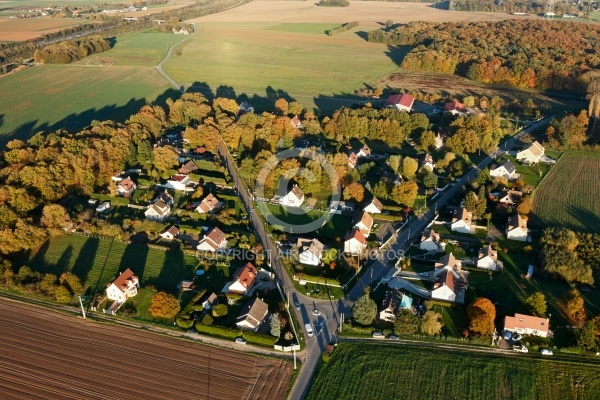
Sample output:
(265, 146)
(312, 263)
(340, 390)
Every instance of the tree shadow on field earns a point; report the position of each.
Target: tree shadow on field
(397, 53)
(85, 260)
(134, 257)
(586, 218)
(77, 121)
(327, 104)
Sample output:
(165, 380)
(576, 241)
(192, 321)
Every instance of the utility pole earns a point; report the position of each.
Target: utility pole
(82, 310)
(294, 350)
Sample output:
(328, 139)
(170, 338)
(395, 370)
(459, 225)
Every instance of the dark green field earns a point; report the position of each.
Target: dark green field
(390, 371)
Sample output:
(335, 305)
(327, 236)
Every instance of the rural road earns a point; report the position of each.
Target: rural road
(326, 324)
(177, 86)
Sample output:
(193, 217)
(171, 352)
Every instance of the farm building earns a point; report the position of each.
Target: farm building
(401, 102)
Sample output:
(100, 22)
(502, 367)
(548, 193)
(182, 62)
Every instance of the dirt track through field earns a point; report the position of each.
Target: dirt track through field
(369, 13)
(52, 356)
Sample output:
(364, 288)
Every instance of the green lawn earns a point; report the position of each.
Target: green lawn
(336, 227)
(531, 175)
(96, 262)
(380, 371)
(568, 196)
(266, 61)
(51, 97)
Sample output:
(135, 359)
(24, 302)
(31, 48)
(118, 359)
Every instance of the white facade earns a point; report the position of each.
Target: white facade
(158, 211)
(294, 198)
(486, 262)
(354, 246)
(460, 226)
(309, 258)
(531, 154)
(443, 293)
(124, 287)
(178, 182)
(501, 172)
(517, 233)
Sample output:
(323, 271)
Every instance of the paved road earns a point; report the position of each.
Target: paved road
(326, 324)
(160, 64)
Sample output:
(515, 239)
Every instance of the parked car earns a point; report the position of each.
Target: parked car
(393, 337)
(297, 305)
(425, 274)
(240, 340)
(521, 348)
(378, 335)
(547, 352)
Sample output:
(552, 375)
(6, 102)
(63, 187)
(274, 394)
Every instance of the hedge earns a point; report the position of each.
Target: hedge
(184, 323)
(342, 28)
(219, 331)
(259, 338)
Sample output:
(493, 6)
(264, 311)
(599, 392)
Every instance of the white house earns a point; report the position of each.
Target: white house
(450, 281)
(505, 170)
(428, 162)
(462, 220)
(363, 151)
(252, 314)
(126, 187)
(374, 207)
(293, 198)
(401, 102)
(510, 197)
(532, 153)
(209, 204)
(310, 251)
(124, 287)
(516, 228)
(487, 258)
(214, 241)
(178, 182)
(244, 279)
(363, 223)
(527, 325)
(170, 233)
(355, 242)
(103, 207)
(430, 241)
(158, 211)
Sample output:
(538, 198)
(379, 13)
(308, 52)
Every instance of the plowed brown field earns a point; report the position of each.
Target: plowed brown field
(52, 356)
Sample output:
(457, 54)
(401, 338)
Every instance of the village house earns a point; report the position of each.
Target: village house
(296, 123)
(165, 197)
(124, 287)
(178, 182)
(293, 198)
(516, 228)
(181, 31)
(252, 315)
(210, 301)
(209, 204)
(510, 198)
(430, 241)
(126, 187)
(355, 242)
(487, 258)
(214, 241)
(243, 281)
(455, 108)
(393, 302)
(158, 211)
(363, 223)
(462, 221)
(310, 251)
(450, 281)
(374, 207)
(245, 107)
(188, 168)
(103, 207)
(527, 325)
(505, 170)
(439, 141)
(401, 102)
(170, 233)
(531, 154)
(354, 154)
(427, 162)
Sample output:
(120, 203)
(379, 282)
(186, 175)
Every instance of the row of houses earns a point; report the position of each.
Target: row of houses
(516, 226)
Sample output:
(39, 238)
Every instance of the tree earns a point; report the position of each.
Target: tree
(427, 140)
(54, 216)
(406, 323)
(207, 319)
(198, 193)
(574, 305)
(282, 106)
(165, 158)
(365, 309)
(525, 205)
(537, 302)
(481, 313)
(405, 193)
(394, 162)
(585, 337)
(409, 167)
(471, 201)
(219, 310)
(354, 191)
(431, 324)
(430, 180)
(63, 295)
(295, 108)
(164, 305)
(71, 282)
(275, 325)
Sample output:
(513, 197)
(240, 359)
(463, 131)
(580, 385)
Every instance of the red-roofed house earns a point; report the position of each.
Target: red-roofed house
(126, 187)
(355, 242)
(243, 280)
(214, 241)
(170, 233)
(178, 182)
(402, 102)
(527, 325)
(454, 107)
(209, 204)
(124, 287)
(296, 123)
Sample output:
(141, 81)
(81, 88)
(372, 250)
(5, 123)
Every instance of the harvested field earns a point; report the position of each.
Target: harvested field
(568, 195)
(366, 12)
(50, 355)
(31, 28)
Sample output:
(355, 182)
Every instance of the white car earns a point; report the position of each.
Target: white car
(240, 340)
(547, 352)
(378, 335)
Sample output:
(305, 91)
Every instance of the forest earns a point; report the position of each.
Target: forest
(67, 51)
(520, 6)
(523, 53)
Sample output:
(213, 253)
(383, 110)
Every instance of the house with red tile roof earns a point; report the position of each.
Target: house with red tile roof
(126, 187)
(527, 325)
(124, 287)
(214, 241)
(401, 102)
(209, 204)
(243, 281)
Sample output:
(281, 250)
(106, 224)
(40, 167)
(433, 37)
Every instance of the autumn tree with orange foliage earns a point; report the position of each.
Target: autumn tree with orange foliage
(481, 314)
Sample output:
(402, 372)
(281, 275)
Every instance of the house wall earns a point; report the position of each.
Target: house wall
(517, 234)
(353, 246)
(443, 293)
(245, 325)
(527, 331)
(460, 226)
(238, 288)
(309, 258)
(113, 293)
(486, 263)
(204, 246)
(371, 209)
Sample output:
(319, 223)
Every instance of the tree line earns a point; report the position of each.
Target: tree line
(68, 51)
(334, 3)
(342, 28)
(520, 6)
(549, 54)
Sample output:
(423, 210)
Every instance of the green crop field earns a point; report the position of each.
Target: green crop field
(568, 196)
(390, 371)
(96, 262)
(136, 49)
(51, 97)
(264, 61)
